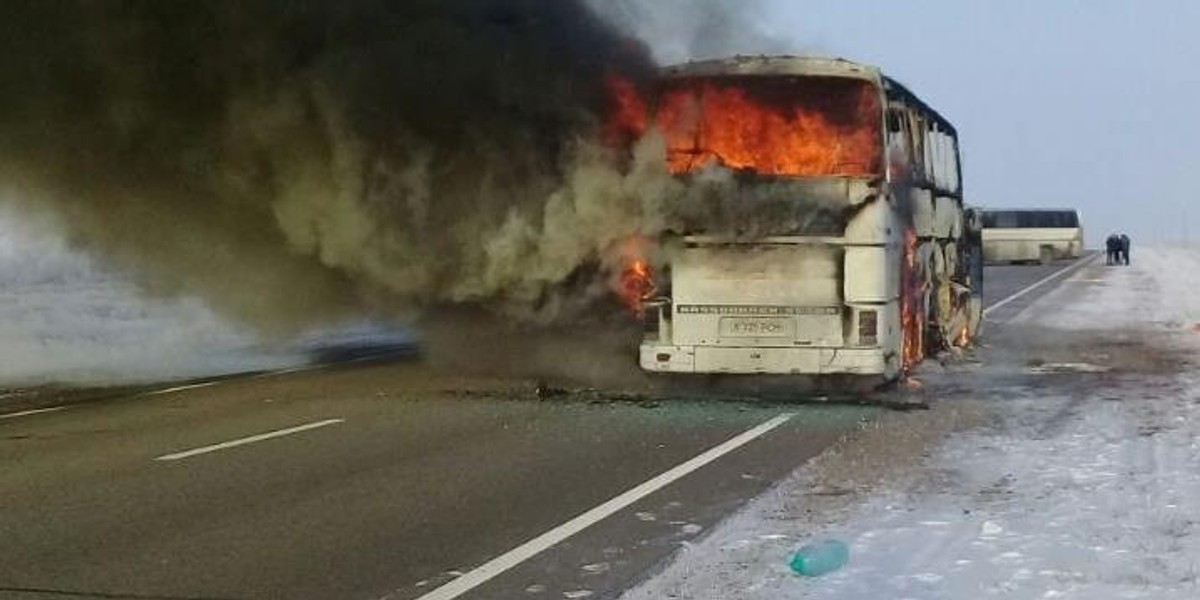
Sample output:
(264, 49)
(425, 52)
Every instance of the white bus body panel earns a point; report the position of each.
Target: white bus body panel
(778, 361)
(780, 308)
(873, 281)
(795, 288)
(1002, 245)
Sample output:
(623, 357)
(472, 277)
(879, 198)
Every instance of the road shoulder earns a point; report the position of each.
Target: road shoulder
(995, 488)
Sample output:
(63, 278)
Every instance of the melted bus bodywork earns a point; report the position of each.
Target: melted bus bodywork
(864, 265)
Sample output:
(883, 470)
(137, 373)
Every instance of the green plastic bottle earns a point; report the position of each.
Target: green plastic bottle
(820, 558)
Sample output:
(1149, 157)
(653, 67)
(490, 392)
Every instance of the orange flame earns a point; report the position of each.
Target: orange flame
(636, 285)
(770, 126)
(912, 304)
(964, 338)
(630, 116)
(632, 279)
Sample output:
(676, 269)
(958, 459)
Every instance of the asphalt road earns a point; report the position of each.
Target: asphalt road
(1026, 282)
(383, 481)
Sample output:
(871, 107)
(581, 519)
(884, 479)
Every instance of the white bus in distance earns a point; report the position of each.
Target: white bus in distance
(1031, 235)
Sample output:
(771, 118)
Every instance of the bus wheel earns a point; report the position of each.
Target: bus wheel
(1046, 255)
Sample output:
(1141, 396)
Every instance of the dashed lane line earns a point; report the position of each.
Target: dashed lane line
(248, 440)
(180, 388)
(35, 411)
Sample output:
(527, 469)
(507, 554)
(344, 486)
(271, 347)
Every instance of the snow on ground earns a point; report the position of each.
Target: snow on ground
(64, 319)
(1074, 471)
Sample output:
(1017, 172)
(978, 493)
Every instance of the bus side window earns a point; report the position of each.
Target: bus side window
(955, 166)
(916, 143)
(899, 151)
(937, 170)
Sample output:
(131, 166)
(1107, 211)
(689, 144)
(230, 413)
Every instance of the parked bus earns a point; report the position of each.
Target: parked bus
(864, 264)
(1031, 235)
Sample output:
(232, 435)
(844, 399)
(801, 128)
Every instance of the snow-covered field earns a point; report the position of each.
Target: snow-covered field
(63, 319)
(1073, 469)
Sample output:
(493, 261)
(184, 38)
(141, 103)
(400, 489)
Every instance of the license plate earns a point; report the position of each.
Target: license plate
(757, 327)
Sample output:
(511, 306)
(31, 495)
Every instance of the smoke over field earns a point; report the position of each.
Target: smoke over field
(295, 162)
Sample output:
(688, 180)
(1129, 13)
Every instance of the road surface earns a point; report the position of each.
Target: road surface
(386, 481)
(1069, 470)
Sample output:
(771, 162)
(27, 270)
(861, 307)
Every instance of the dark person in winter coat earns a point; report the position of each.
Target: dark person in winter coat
(1112, 247)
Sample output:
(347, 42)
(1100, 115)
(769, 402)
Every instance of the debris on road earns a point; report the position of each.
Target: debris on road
(820, 558)
(889, 398)
(1052, 368)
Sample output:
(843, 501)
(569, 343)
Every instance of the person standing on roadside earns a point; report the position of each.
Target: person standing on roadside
(1112, 247)
(1125, 249)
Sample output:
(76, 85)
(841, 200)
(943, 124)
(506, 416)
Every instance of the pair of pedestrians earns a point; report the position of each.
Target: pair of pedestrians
(1117, 246)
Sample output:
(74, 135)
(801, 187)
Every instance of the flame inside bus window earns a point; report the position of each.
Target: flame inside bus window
(797, 126)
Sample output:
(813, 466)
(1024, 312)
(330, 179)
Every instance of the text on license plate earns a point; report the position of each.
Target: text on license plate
(758, 327)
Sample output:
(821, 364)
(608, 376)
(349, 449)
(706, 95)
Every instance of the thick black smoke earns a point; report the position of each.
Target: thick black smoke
(295, 160)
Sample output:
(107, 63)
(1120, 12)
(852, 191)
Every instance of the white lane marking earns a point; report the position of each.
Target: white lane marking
(36, 411)
(180, 388)
(248, 440)
(543, 542)
(1039, 283)
(287, 371)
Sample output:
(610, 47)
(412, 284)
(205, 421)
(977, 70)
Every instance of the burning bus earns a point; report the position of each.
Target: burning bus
(843, 247)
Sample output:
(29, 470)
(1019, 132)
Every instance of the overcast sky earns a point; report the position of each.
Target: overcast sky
(1058, 103)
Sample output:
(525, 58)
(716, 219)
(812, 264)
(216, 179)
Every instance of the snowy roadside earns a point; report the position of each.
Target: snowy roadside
(69, 321)
(1073, 474)
(65, 320)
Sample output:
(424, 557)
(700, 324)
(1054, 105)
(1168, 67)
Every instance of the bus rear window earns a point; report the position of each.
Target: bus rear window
(797, 126)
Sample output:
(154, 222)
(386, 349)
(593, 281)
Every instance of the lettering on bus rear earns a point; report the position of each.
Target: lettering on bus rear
(743, 309)
(755, 327)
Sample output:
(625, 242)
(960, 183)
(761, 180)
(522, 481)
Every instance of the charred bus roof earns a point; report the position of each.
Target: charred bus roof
(775, 65)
